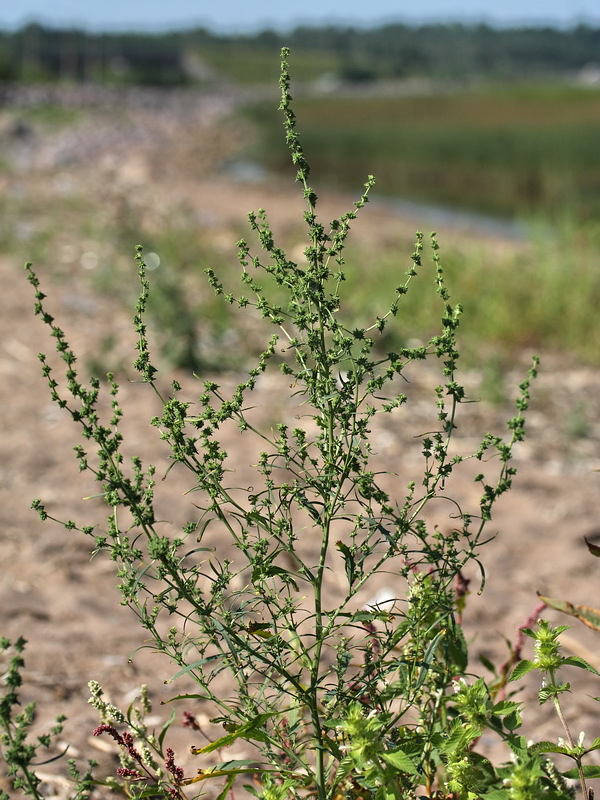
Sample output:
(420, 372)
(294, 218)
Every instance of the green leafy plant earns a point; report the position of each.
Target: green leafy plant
(20, 753)
(333, 695)
(548, 660)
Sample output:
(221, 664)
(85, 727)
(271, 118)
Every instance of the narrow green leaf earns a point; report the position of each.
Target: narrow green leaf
(202, 529)
(217, 771)
(593, 548)
(428, 657)
(204, 775)
(185, 697)
(459, 650)
(285, 575)
(194, 665)
(240, 764)
(50, 760)
(367, 616)
(487, 664)
(199, 550)
(149, 791)
(349, 562)
(228, 784)
(165, 728)
(249, 731)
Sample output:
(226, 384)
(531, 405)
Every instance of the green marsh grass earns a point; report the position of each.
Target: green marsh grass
(511, 152)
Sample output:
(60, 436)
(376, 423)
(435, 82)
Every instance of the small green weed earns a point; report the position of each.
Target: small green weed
(333, 698)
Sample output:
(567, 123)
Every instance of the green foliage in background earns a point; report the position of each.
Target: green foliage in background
(509, 152)
(395, 51)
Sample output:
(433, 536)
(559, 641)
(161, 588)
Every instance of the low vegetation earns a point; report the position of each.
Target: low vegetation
(524, 152)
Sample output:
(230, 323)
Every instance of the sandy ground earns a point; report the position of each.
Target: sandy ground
(66, 605)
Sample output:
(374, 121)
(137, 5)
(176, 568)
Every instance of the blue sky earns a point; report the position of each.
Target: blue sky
(247, 15)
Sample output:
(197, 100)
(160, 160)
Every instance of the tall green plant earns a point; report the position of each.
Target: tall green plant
(334, 698)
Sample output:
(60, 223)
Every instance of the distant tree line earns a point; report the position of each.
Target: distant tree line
(453, 50)
(38, 53)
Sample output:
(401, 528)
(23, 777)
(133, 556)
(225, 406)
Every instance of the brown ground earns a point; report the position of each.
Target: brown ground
(65, 605)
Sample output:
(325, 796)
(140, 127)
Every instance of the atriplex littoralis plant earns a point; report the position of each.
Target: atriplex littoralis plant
(337, 699)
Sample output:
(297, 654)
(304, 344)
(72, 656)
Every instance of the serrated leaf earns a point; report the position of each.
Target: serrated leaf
(387, 793)
(549, 692)
(528, 631)
(577, 661)
(344, 769)
(400, 761)
(547, 747)
(522, 668)
(505, 707)
(513, 720)
(595, 745)
(518, 744)
(589, 771)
